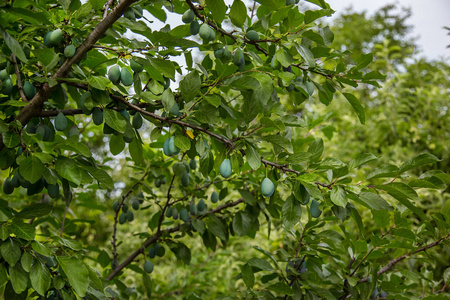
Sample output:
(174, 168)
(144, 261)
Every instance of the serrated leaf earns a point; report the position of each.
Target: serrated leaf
(218, 9)
(361, 159)
(358, 108)
(420, 160)
(182, 142)
(291, 212)
(374, 201)
(35, 210)
(76, 272)
(247, 276)
(23, 230)
(115, 120)
(190, 85)
(238, 13)
(68, 169)
(13, 45)
(40, 278)
(31, 169)
(338, 196)
(241, 223)
(281, 288)
(253, 157)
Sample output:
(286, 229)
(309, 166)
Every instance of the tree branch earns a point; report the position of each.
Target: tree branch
(19, 80)
(395, 261)
(159, 233)
(35, 105)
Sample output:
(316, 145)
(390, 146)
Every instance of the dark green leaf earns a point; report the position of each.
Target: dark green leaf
(23, 230)
(361, 159)
(31, 169)
(420, 160)
(76, 272)
(13, 45)
(190, 86)
(115, 120)
(253, 157)
(248, 197)
(316, 149)
(241, 223)
(19, 278)
(359, 109)
(218, 9)
(10, 251)
(374, 201)
(281, 288)
(35, 210)
(338, 196)
(40, 278)
(247, 276)
(291, 212)
(238, 13)
(68, 169)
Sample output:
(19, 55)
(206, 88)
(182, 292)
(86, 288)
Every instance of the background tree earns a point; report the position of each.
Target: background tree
(112, 174)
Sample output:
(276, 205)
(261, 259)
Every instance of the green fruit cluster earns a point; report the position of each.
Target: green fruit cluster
(126, 215)
(206, 33)
(156, 250)
(32, 188)
(6, 82)
(53, 38)
(188, 16)
(238, 59)
(169, 147)
(116, 75)
(267, 187)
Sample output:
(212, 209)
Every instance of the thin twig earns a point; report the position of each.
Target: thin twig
(19, 80)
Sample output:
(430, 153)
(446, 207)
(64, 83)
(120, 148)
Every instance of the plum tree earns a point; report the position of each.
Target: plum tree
(105, 169)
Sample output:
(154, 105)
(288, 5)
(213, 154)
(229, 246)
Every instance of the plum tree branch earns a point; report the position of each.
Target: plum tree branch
(160, 233)
(35, 105)
(19, 80)
(395, 261)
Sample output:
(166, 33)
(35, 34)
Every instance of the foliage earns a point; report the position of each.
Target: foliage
(114, 178)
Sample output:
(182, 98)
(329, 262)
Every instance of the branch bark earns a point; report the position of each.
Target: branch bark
(35, 105)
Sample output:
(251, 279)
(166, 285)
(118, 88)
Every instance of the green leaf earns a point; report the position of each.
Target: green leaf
(401, 193)
(98, 82)
(182, 252)
(35, 210)
(216, 227)
(260, 264)
(26, 260)
(374, 201)
(182, 142)
(218, 9)
(13, 45)
(116, 144)
(167, 98)
(3, 276)
(248, 197)
(76, 272)
(316, 149)
(68, 169)
(101, 176)
(72, 244)
(338, 196)
(253, 157)
(241, 223)
(270, 4)
(206, 163)
(299, 158)
(327, 34)
(291, 212)
(23, 230)
(10, 251)
(281, 288)
(284, 57)
(190, 85)
(420, 160)
(382, 172)
(40, 248)
(136, 151)
(198, 225)
(280, 141)
(247, 276)
(361, 159)
(307, 55)
(115, 120)
(359, 109)
(312, 15)
(11, 139)
(31, 169)
(238, 13)
(40, 278)
(363, 61)
(19, 278)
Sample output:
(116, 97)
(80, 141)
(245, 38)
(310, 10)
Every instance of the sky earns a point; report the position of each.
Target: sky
(428, 18)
